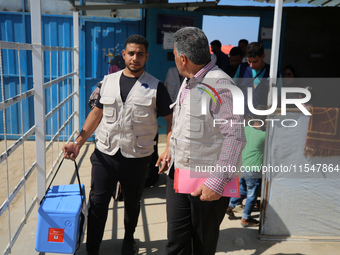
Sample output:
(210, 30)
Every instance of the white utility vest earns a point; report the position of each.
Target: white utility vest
(194, 140)
(130, 126)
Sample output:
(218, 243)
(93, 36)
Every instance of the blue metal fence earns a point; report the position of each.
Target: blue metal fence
(98, 38)
(57, 31)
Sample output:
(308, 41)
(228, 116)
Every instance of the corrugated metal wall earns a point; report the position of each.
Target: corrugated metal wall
(15, 28)
(98, 37)
(57, 31)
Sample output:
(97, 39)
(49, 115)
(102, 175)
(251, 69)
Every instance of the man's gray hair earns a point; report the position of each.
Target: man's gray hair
(192, 43)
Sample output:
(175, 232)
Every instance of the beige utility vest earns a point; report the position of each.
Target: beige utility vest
(130, 126)
(195, 142)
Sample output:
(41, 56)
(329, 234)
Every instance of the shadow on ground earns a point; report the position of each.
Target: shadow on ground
(113, 247)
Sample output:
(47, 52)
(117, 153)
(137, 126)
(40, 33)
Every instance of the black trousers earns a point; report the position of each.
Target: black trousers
(106, 171)
(152, 175)
(193, 225)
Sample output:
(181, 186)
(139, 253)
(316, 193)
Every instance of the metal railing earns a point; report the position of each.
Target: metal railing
(61, 114)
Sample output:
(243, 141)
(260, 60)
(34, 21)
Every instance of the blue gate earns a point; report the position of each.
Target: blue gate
(100, 41)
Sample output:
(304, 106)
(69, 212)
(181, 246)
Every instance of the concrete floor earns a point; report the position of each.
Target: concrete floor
(151, 230)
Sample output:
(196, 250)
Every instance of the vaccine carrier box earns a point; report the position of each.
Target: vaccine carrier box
(60, 221)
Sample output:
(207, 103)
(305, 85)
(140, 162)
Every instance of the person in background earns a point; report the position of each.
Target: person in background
(194, 219)
(288, 76)
(242, 44)
(291, 79)
(173, 82)
(254, 75)
(235, 56)
(252, 160)
(125, 121)
(222, 59)
(116, 64)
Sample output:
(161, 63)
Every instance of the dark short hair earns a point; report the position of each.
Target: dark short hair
(137, 39)
(254, 49)
(245, 41)
(236, 51)
(216, 43)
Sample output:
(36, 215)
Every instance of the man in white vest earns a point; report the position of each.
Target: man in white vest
(196, 143)
(125, 121)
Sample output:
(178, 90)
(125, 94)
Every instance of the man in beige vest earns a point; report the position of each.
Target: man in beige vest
(125, 121)
(196, 143)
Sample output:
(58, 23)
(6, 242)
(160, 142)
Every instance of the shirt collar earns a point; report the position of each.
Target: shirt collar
(200, 74)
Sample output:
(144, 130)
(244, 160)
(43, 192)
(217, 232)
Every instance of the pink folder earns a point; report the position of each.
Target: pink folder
(185, 184)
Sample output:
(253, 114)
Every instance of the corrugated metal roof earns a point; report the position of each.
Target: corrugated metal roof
(323, 3)
(133, 4)
(312, 2)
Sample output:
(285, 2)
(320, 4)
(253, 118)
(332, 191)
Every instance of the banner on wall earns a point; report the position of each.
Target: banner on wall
(167, 25)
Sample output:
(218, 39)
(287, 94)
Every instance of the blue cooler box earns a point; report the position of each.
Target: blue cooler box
(59, 219)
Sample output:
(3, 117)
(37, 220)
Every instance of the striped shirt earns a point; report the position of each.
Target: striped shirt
(234, 138)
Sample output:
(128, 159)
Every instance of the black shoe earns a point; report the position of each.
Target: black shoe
(129, 247)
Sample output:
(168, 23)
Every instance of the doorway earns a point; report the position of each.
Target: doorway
(230, 29)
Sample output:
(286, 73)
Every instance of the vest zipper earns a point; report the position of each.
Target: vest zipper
(120, 126)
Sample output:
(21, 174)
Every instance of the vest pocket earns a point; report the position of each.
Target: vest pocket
(104, 138)
(110, 113)
(144, 143)
(141, 115)
(141, 110)
(194, 128)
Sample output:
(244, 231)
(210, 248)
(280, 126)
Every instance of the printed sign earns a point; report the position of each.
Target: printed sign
(56, 235)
